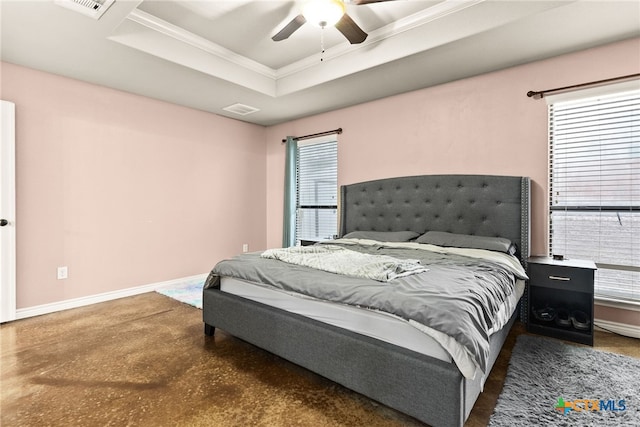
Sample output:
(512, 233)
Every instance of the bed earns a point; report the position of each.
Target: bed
(425, 382)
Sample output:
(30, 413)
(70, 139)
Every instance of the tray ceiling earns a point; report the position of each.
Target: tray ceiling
(212, 54)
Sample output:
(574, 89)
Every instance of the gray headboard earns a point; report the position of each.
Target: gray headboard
(484, 205)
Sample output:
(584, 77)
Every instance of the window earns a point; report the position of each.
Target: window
(317, 189)
(595, 188)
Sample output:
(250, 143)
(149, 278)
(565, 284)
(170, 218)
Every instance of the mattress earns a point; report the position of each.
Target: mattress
(372, 323)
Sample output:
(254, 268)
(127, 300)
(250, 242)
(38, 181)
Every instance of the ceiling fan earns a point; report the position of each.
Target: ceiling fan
(327, 13)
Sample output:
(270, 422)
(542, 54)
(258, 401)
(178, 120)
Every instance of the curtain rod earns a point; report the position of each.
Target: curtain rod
(313, 135)
(540, 94)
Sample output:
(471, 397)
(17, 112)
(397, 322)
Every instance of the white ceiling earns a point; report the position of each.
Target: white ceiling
(209, 54)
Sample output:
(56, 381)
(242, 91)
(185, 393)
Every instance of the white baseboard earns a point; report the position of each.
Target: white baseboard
(632, 331)
(38, 310)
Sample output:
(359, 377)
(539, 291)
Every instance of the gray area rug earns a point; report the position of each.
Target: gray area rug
(544, 374)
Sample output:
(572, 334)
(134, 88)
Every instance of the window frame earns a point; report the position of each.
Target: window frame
(634, 301)
(319, 207)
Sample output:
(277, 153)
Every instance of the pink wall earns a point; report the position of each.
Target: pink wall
(479, 125)
(125, 190)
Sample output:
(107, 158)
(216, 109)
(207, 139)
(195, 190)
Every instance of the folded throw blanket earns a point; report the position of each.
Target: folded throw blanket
(336, 259)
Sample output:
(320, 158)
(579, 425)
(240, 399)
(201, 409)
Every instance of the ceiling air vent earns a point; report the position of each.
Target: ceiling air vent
(241, 109)
(92, 8)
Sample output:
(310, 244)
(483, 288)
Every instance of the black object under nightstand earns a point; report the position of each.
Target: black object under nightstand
(560, 296)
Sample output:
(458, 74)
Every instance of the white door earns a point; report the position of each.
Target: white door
(7, 211)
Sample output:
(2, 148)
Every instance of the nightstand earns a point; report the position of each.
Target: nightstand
(311, 242)
(307, 242)
(560, 296)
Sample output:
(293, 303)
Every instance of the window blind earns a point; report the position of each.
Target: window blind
(595, 188)
(317, 190)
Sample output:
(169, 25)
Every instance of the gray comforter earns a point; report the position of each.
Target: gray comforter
(458, 296)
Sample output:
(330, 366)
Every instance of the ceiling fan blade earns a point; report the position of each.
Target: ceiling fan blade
(288, 29)
(367, 1)
(351, 30)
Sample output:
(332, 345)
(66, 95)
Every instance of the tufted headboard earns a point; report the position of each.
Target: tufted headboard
(484, 205)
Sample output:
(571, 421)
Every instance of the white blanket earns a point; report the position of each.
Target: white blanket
(336, 259)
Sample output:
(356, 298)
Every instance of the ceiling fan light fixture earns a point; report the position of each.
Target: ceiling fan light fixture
(323, 13)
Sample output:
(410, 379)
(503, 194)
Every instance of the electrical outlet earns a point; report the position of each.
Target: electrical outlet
(245, 247)
(63, 273)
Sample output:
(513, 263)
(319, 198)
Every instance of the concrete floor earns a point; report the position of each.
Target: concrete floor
(144, 361)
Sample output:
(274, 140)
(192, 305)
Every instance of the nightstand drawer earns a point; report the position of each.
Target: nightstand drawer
(558, 277)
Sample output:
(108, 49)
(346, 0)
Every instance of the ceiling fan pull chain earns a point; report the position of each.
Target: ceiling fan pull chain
(322, 43)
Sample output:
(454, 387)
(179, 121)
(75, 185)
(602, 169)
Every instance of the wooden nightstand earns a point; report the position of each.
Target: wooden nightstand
(560, 296)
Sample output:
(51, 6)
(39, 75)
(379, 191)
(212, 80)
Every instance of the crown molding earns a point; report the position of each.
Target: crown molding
(154, 23)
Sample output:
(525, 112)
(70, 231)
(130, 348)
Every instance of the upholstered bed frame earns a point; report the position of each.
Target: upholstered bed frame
(428, 389)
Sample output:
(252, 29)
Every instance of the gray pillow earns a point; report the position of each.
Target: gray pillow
(440, 238)
(383, 236)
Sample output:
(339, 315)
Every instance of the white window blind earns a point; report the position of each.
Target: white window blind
(595, 188)
(317, 190)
